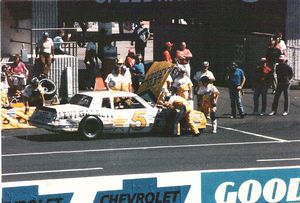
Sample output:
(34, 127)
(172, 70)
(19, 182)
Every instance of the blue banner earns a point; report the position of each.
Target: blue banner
(30, 194)
(143, 191)
(259, 186)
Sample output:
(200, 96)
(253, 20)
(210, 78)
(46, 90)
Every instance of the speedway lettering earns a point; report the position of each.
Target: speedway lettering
(277, 185)
(143, 190)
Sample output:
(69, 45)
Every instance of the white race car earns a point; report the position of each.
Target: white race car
(95, 113)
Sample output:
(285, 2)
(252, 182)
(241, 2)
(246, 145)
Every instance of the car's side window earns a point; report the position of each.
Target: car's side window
(106, 103)
(122, 102)
(127, 103)
(135, 104)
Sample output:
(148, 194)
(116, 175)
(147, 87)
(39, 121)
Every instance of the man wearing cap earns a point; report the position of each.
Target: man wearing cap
(203, 72)
(167, 52)
(197, 79)
(183, 85)
(33, 95)
(183, 57)
(236, 79)
(284, 76)
(45, 49)
(262, 80)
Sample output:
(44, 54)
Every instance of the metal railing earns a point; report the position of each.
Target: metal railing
(69, 47)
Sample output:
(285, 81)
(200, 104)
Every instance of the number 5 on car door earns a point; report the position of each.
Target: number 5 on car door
(138, 120)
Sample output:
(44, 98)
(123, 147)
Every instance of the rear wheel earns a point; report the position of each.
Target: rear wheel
(90, 127)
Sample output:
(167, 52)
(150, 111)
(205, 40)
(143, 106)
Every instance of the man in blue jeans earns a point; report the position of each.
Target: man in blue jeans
(236, 79)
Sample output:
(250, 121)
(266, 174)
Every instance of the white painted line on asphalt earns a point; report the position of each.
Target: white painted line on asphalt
(254, 134)
(142, 148)
(273, 160)
(51, 171)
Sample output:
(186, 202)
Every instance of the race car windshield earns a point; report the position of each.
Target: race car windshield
(82, 100)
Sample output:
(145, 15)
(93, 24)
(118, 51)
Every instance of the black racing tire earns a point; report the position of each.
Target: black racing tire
(49, 88)
(90, 127)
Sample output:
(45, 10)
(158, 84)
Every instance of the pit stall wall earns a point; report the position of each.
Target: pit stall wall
(64, 73)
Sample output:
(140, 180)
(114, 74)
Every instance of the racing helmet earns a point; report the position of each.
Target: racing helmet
(35, 80)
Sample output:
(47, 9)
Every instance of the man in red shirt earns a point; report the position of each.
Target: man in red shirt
(183, 56)
(167, 52)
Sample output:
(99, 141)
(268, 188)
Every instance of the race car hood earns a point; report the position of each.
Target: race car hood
(154, 80)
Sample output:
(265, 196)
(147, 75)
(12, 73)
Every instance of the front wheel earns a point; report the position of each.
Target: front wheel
(90, 127)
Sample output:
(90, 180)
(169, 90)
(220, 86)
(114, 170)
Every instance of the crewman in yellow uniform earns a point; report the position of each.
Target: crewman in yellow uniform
(183, 110)
(183, 85)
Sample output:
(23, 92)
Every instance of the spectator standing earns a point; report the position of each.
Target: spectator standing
(183, 57)
(19, 73)
(262, 81)
(209, 96)
(45, 49)
(130, 58)
(58, 41)
(197, 79)
(183, 85)
(236, 79)
(138, 72)
(92, 63)
(114, 80)
(183, 111)
(272, 55)
(167, 52)
(204, 72)
(33, 95)
(280, 43)
(284, 75)
(141, 35)
(125, 72)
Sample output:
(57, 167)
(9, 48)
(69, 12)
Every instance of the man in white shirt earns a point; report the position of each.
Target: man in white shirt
(204, 72)
(33, 95)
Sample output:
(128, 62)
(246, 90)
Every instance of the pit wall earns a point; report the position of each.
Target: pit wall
(221, 186)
